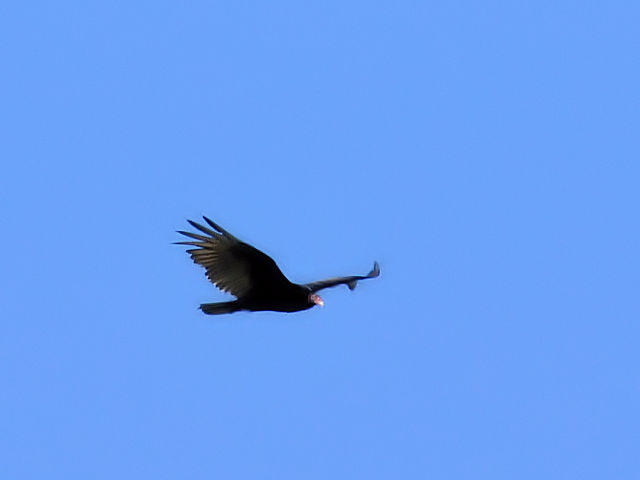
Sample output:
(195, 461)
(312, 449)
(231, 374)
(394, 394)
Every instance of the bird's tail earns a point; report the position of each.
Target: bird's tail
(220, 307)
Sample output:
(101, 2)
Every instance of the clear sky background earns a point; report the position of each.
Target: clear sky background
(485, 153)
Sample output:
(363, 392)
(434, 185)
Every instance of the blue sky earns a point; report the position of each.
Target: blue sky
(485, 153)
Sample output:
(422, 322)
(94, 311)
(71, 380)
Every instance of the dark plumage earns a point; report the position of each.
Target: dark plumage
(252, 276)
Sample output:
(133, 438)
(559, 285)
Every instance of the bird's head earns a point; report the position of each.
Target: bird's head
(316, 299)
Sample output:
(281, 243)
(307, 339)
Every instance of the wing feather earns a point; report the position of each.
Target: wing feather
(231, 265)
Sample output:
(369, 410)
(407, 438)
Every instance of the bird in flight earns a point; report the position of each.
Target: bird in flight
(252, 276)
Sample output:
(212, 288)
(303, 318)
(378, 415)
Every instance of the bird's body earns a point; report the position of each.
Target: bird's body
(292, 298)
(252, 276)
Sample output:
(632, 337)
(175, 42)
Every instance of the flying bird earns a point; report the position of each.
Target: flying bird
(252, 276)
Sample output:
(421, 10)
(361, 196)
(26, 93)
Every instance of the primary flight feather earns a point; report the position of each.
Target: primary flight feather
(252, 276)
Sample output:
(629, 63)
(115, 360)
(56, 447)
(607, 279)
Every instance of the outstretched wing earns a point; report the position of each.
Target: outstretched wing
(231, 265)
(349, 281)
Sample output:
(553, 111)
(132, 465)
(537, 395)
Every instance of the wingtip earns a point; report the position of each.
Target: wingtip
(176, 243)
(194, 224)
(376, 270)
(213, 224)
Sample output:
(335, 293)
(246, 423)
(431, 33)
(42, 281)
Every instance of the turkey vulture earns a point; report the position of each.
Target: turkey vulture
(252, 276)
